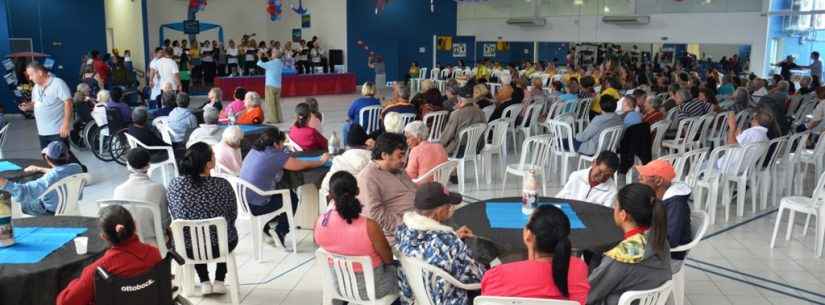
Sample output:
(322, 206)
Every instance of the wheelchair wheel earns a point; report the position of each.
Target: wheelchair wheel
(99, 142)
(119, 146)
(76, 136)
(86, 132)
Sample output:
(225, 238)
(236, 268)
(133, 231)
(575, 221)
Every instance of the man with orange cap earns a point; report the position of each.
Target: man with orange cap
(659, 174)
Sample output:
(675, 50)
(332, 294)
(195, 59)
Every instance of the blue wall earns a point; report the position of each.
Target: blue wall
(553, 50)
(514, 55)
(63, 29)
(5, 95)
(397, 34)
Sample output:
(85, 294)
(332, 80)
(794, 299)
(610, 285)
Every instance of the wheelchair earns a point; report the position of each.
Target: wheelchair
(152, 287)
(105, 136)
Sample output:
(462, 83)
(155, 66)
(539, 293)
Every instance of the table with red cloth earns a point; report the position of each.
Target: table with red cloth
(292, 85)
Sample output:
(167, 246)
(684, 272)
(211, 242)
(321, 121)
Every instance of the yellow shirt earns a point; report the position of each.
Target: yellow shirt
(597, 106)
(483, 72)
(414, 72)
(569, 75)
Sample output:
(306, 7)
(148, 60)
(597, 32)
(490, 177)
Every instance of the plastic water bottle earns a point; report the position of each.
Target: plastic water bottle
(529, 192)
(6, 229)
(333, 143)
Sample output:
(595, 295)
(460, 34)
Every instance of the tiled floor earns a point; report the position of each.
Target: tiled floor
(735, 266)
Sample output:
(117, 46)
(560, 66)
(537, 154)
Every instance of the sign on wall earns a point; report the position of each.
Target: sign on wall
(489, 50)
(459, 50)
(296, 35)
(306, 21)
(445, 43)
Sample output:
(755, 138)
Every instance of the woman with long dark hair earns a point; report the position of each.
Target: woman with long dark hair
(549, 272)
(127, 256)
(363, 235)
(642, 260)
(196, 195)
(302, 133)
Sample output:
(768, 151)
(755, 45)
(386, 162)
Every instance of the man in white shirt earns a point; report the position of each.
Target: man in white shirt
(594, 184)
(758, 132)
(153, 80)
(164, 70)
(140, 187)
(52, 105)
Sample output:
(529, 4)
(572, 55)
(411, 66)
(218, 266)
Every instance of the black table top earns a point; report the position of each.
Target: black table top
(315, 176)
(600, 233)
(53, 273)
(19, 175)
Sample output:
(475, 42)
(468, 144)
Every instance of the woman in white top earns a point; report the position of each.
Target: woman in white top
(232, 58)
(228, 151)
(250, 51)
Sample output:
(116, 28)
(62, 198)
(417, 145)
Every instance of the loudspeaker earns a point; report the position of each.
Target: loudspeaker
(336, 57)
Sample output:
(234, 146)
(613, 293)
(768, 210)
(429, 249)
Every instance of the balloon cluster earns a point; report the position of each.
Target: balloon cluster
(275, 9)
(364, 46)
(197, 5)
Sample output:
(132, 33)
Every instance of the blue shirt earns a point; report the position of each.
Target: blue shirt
(273, 72)
(632, 118)
(358, 104)
(263, 169)
(570, 100)
(181, 122)
(27, 193)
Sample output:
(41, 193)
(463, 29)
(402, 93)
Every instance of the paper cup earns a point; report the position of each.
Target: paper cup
(80, 244)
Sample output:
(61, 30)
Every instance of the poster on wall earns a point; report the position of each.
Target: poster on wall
(305, 21)
(459, 50)
(296, 35)
(445, 43)
(8, 64)
(489, 50)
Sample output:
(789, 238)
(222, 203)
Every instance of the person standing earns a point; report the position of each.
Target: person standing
(273, 69)
(52, 106)
(165, 70)
(376, 62)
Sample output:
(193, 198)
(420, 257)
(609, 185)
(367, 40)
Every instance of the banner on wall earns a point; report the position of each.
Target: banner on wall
(445, 43)
(306, 21)
(489, 50)
(296, 35)
(459, 50)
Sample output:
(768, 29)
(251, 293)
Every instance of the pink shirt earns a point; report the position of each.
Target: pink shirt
(533, 279)
(233, 107)
(331, 229)
(308, 138)
(228, 157)
(424, 157)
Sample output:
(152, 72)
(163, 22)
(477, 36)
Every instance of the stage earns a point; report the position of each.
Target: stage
(292, 85)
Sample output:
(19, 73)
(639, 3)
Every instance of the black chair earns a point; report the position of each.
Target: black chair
(152, 287)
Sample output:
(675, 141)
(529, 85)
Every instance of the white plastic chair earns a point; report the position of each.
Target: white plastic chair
(739, 170)
(436, 120)
(257, 223)
(529, 121)
(790, 163)
(509, 114)
(3, 136)
(699, 223)
(814, 158)
(488, 112)
(68, 190)
(161, 124)
(420, 273)
(656, 296)
(135, 207)
(371, 114)
(407, 118)
(341, 282)
(561, 147)
(291, 145)
(583, 113)
(689, 164)
(608, 140)
(495, 143)
(718, 128)
(487, 300)
(534, 156)
(763, 175)
(703, 130)
(685, 134)
(708, 181)
(468, 136)
(810, 206)
(658, 129)
(166, 174)
(440, 173)
(202, 251)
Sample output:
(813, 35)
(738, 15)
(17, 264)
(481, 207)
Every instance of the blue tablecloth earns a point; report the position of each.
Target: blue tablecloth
(8, 166)
(318, 158)
(35, 243)
(508, 215)
(253, 128)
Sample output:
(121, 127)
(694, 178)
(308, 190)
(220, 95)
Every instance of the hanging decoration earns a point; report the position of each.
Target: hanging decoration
(197, 5)
(379, 5)
(275, 9)
(300, 9)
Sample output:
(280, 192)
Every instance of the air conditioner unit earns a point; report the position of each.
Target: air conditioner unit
(527, 21)
(626, 20)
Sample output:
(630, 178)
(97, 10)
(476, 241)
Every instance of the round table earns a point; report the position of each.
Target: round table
(19, 175)
(600, 234)
(40, 283)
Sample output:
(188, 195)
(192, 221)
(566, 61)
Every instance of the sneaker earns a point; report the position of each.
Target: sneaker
(218, 287)
(206, 288)
(281, 237)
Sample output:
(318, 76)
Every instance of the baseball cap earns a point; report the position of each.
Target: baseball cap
(432, 195)
(56, 150)
(660, 168)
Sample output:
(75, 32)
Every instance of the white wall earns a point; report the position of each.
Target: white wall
(239, 17)
(124, 17)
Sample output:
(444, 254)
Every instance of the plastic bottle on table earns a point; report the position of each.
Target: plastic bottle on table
(529, 192)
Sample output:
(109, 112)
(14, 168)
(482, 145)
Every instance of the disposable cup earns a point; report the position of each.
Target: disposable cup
(80, 244)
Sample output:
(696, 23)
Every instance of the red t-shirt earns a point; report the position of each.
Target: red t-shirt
(307, 138)
(128, 259)
(102, 69)
(533, 279)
